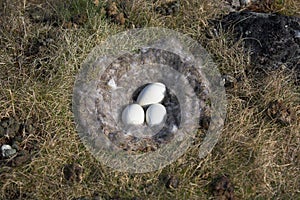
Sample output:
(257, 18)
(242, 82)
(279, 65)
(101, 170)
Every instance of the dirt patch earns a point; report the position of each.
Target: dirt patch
(222, 188)
(41, 14)
(281, 113)
(170, 181)
(15, 133)
(272, 39)
(73, 172)
(168, 8)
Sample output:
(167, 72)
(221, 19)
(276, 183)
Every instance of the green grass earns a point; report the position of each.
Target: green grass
(40, 60)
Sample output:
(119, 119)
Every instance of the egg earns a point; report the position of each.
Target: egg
(155, 114)
(133, 114)
(152, 94)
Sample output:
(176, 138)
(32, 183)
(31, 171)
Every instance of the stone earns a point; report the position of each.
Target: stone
(7, 151)
(152, 94)
(172, 182)
(112, 84)
(156, 114)
(133, 114)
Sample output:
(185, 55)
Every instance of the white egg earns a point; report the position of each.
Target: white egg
(151, 94)
(133, 114)
(155, 114)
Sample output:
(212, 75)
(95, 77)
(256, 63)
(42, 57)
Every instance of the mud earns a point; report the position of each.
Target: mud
(73, 172)
(15, 132)
(222, 188)
(273, 40)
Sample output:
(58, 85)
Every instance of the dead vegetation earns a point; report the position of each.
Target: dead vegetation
(42, 45)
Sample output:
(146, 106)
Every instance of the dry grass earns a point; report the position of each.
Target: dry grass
(39, 62)
(288, 7)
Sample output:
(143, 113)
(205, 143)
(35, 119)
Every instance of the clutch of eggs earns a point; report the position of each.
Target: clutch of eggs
(151, 96)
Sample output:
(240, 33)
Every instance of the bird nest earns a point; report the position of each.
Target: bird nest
(121, 83)
(113, 76)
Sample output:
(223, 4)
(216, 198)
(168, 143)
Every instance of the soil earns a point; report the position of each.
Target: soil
(172, 182)
(281, 113)
(272, 39)
(222, 188)
(168, 8)
(14, 132)
(169, 181)
(73, 172)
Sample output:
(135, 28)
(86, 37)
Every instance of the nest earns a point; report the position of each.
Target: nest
(131, 73)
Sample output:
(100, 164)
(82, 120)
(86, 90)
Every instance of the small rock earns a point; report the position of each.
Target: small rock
(229, 81)
(297, 33)
(174, 129)
(172, 182)
(7, 151)
(245, 2)
(112, 84)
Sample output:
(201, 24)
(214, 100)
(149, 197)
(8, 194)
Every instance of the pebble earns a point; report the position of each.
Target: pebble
(297, 34)
(7, 151)
(133, 114)
(112, 84)
(155, 114)
(152, 94)
(246, 2)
